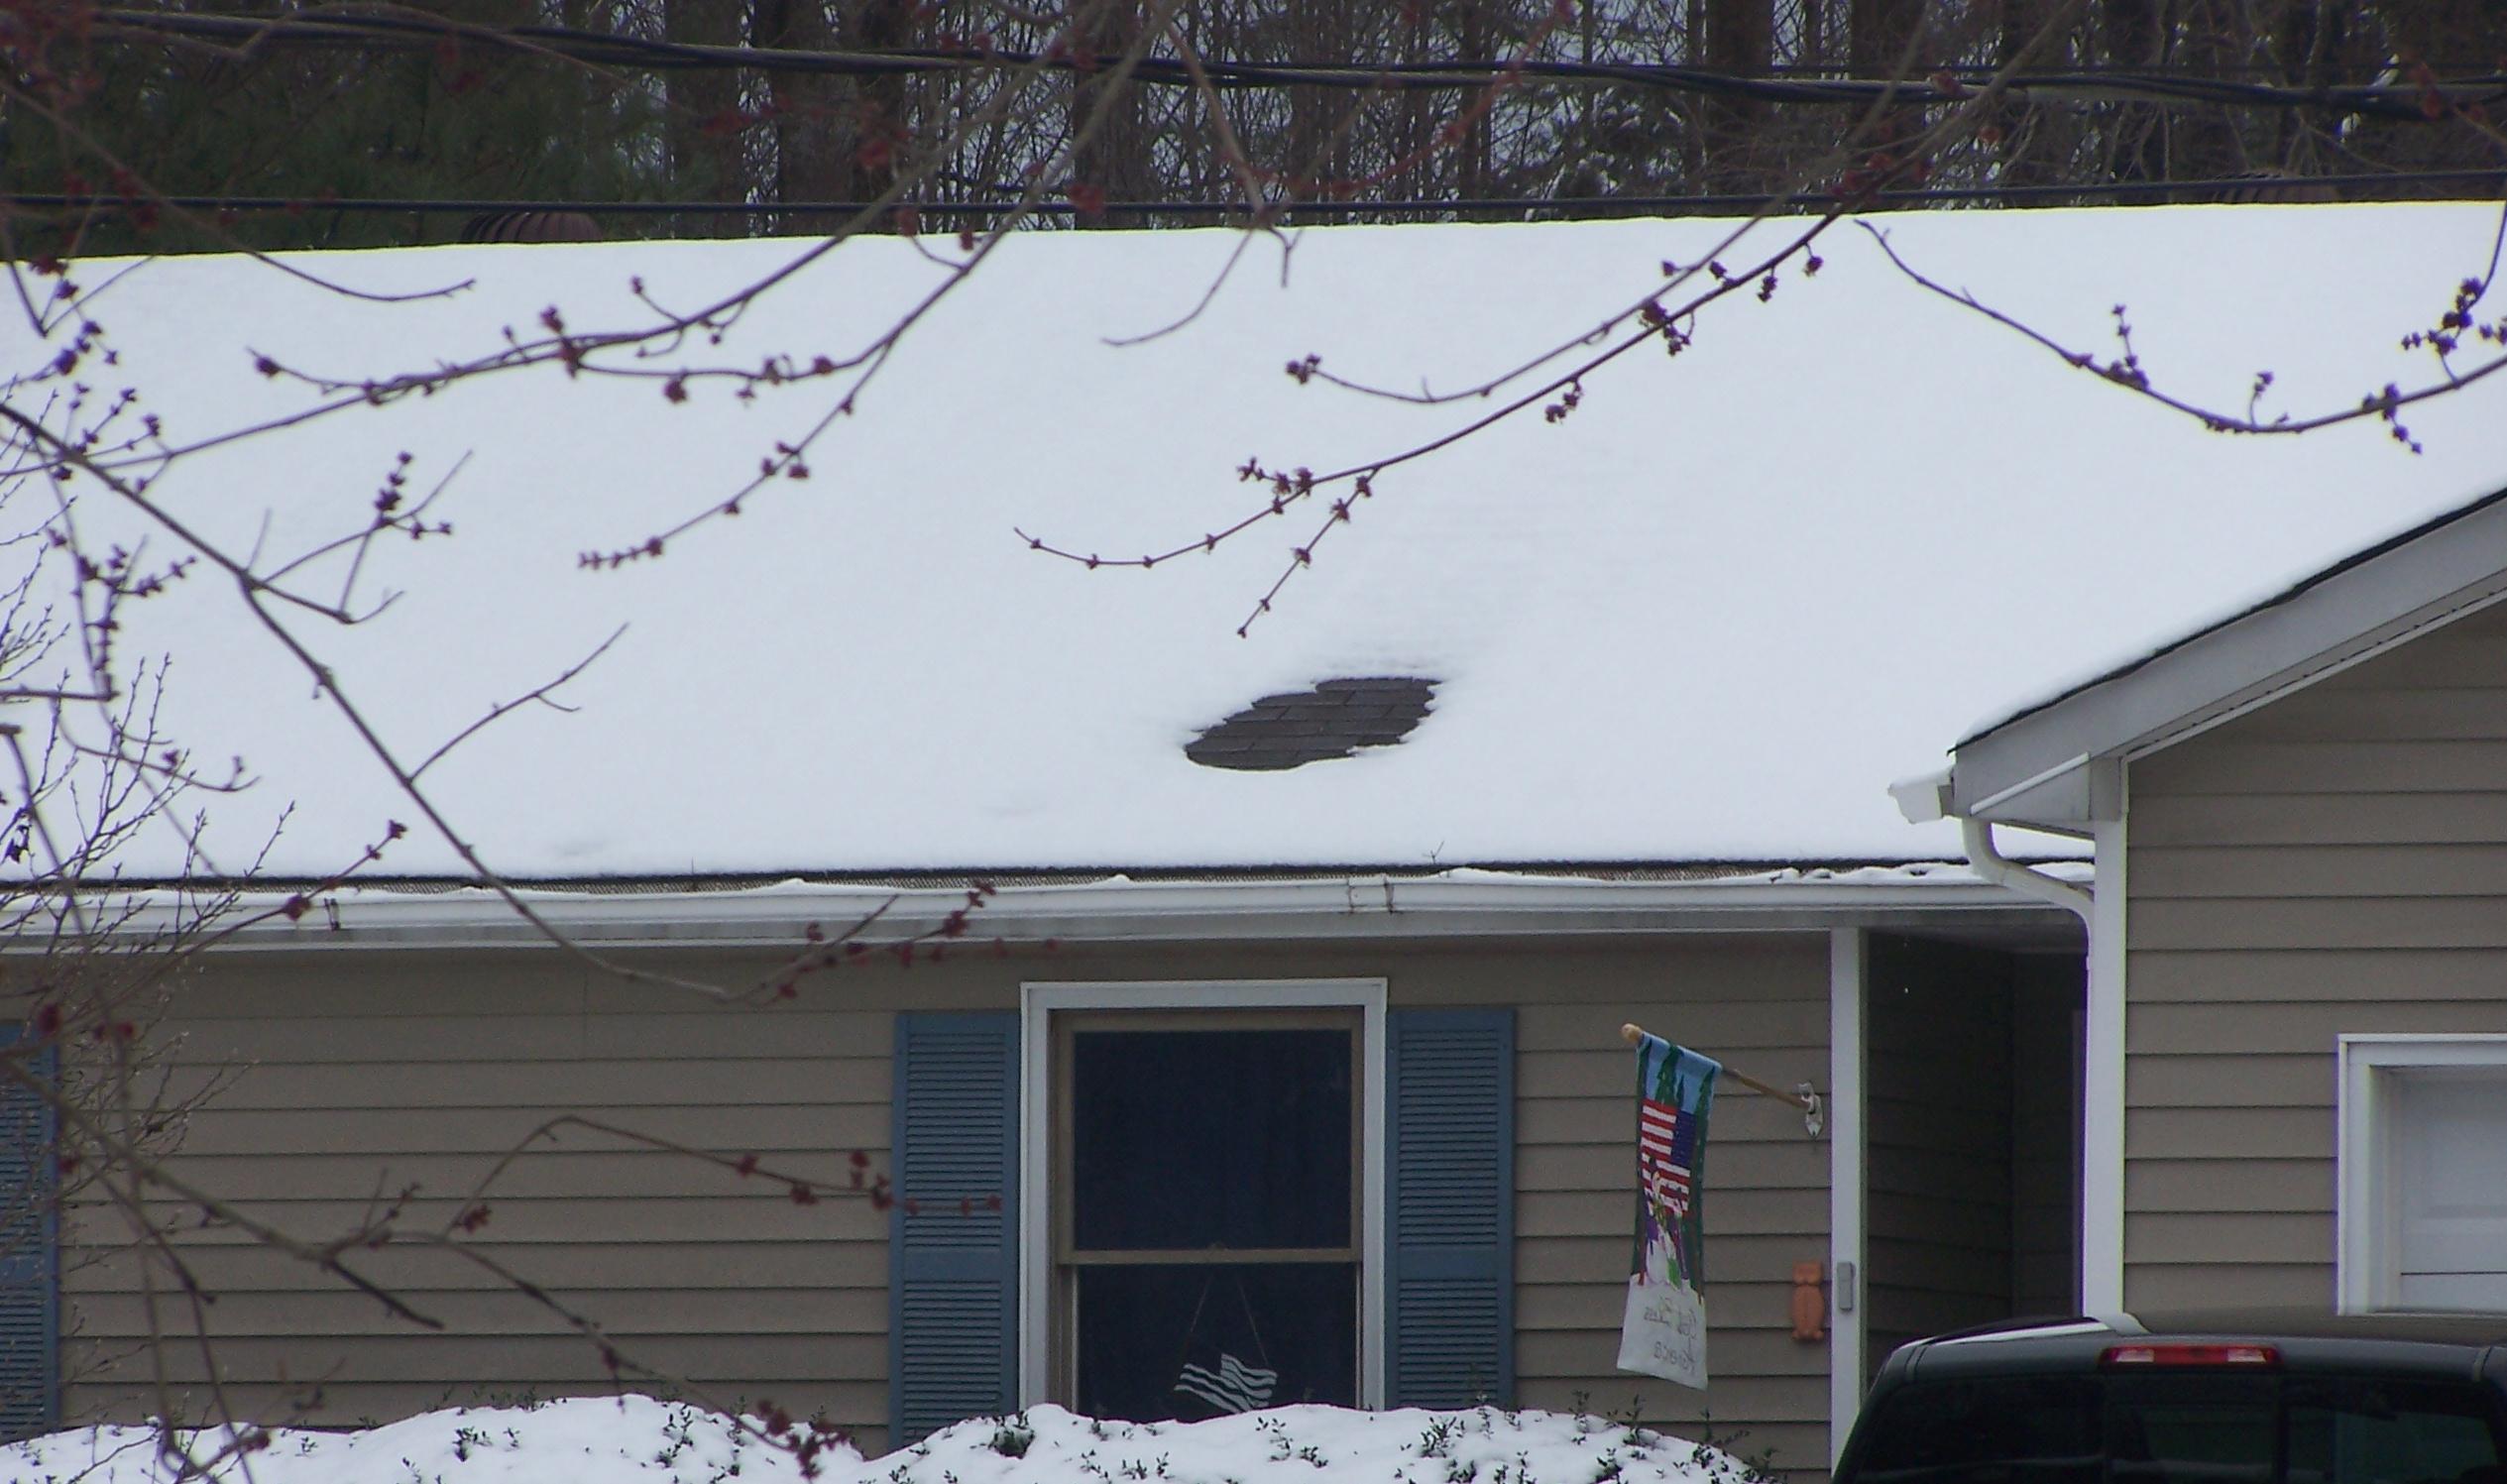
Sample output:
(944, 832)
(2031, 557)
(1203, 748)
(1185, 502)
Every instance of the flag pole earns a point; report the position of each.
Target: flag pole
(1802, 1096)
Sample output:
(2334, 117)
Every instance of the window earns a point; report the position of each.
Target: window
(1066, 1201)
(1206, 1211)
(2423, 1173)
(1207, 1232)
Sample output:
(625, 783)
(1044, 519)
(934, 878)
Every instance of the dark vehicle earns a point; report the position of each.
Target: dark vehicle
(2192, 1400)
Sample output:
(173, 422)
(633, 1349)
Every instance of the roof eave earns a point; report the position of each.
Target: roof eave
(1120, 910)
(2058, 766)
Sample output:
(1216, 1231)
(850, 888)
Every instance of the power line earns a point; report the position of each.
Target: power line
(1570, 207)
(393, 34)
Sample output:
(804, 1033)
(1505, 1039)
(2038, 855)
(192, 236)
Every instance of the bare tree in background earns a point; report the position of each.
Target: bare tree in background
(476, 117)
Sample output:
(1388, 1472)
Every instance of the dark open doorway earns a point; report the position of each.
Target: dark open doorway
(1973, 1088)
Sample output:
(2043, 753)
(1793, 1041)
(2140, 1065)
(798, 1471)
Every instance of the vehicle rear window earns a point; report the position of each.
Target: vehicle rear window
(2367, 1431)
(2006, 1429)
(2183, 1429)
(2180, 1427)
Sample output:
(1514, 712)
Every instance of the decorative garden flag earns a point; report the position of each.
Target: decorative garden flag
(1664, 1330)
(1230, 1386)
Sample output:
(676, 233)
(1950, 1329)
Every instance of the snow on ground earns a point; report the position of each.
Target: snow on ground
(640, 1440)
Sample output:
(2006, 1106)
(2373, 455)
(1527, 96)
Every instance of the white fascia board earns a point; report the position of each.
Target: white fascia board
(1455, 904)
(2072, 798)
(2347, 617)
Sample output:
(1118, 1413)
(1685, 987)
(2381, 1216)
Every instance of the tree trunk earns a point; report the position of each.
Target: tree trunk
(2131, 33)
(834, 138)
(2204, 142)
(1739, 40)
(1317, 156)
(2035, 140)
(1111, 163)
(1878, 33)
(704, 127)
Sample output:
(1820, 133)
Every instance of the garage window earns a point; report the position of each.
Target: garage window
(2423, 1179)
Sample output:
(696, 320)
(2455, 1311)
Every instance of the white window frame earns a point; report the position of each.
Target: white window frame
(2367, 1239)
(1040, 1002)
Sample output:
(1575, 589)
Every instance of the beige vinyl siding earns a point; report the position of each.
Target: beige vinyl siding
(2335, 862)
(351, 1077)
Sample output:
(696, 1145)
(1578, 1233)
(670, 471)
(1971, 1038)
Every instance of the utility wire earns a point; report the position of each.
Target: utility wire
(2264, 186)
(399, 33)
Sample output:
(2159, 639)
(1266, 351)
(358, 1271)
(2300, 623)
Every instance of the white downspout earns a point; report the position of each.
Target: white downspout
(1978, 837)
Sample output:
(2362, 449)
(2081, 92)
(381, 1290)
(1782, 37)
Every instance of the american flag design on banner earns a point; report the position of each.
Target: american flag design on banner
(1667, 1148)
(1664, 1330)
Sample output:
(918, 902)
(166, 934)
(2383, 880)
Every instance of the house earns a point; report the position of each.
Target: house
(1309, 1058)
(2297, 1063)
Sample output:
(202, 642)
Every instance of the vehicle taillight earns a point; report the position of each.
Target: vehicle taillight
(2190, 1355)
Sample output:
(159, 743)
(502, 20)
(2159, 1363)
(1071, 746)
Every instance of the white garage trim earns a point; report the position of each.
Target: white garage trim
(2367, 1210)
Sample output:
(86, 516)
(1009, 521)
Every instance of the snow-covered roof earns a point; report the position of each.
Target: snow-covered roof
(1706, 617)
(2455, 524)
(2041, 764)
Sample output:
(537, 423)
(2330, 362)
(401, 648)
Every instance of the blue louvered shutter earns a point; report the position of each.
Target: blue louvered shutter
(953, 1281)
(1449, 1285)
(29, 1371)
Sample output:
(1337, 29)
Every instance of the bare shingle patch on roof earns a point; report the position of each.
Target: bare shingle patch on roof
(1334, 720)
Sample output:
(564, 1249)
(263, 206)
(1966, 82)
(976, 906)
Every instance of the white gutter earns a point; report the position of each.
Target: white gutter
(1931, 796)
(1120, 909)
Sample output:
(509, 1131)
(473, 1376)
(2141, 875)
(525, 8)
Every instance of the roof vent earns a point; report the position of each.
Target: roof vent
(1334, 720)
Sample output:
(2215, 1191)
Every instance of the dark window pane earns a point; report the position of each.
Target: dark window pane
(1196, 1139)
(1253, 1336)
(2368, 1431)
(2186, 1428)
(2020, 1430)
(2180, 1429)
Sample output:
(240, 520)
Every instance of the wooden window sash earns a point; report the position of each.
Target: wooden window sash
(1210, 1257)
